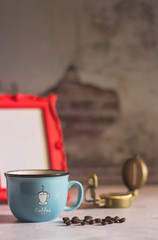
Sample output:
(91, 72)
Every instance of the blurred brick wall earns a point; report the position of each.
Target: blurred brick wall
(85, 112)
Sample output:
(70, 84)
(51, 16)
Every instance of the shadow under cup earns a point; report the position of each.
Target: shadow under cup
(40, 195)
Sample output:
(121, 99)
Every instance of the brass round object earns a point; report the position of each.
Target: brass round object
(117, 200)
(134, 174)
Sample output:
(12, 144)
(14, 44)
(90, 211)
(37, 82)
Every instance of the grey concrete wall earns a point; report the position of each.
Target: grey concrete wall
(113, 44)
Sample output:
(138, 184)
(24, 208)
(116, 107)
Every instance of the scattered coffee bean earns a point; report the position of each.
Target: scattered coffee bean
(117, 219)
(110, 222)
(87, 218)
(91, 221)
(83, 222)
(68, 222)
(108, 218)
(122, 220)
(104, 222)
(75, 219)
(97, 220)
(65, 219)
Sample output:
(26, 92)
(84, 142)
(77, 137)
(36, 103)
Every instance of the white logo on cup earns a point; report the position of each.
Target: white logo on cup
(42, 196)
(42, 210)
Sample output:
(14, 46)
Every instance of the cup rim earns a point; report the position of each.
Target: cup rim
(34, 173)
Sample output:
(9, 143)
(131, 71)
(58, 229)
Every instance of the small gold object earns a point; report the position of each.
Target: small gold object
(134, 173)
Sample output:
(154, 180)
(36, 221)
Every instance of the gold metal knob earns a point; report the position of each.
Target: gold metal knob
(134, 173)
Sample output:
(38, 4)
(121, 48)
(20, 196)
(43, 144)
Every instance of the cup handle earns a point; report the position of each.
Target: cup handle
(80, 195)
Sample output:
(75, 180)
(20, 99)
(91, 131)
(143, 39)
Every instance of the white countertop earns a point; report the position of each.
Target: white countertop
(141, 221)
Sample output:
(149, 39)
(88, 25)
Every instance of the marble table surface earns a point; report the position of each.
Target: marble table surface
(141, 221)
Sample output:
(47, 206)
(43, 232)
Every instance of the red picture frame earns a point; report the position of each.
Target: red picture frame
(54, 135)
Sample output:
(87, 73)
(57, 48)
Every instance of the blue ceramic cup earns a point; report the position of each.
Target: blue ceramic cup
(39, 195)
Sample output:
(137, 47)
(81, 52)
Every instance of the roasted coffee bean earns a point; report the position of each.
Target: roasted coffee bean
(107, 218)
(103, 222)
(65, 219)
(86, 221)
(91, 221)
(75, 219)
(83, 220)
(87, 218)
(83, 223)
(97, 220)
(68, 222)
(112, 220)
(122, 220)
(117, 219)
